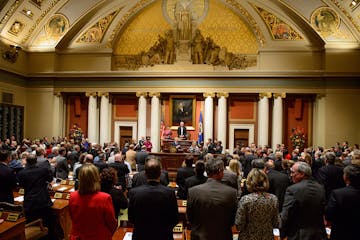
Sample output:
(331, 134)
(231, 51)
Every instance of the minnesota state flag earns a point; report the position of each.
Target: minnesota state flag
(201, 133)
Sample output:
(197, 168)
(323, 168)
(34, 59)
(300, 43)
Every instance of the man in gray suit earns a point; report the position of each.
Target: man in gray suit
(211, 206)
(303, 208)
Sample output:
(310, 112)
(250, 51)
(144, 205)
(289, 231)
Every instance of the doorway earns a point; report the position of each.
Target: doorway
(241, 137)
(125, 135)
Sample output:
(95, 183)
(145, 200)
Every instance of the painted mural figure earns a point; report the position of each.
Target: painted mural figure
(198, 51)
(183, 19)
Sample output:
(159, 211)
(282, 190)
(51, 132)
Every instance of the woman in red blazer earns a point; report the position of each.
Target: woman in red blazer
(91, 211)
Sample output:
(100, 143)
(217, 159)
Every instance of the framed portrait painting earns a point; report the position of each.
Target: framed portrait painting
(182, 109)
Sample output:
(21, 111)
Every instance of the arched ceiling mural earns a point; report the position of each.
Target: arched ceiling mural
(134, 31)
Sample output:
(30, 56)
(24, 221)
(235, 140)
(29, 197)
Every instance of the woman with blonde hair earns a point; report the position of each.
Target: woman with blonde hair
(235, 167)
(91, 211)
(258, 212)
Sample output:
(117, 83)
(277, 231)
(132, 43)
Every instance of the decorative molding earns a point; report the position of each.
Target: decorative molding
(154, 94)
(209, 94)
(222, 94)
(141, 94)
(97, 31)
(346, 13)
(103, 94)
(265, 95)
(278, 29)
(57, 93)
(91, 94)
(31, 30)
(320, 95)
(9, 13)
(281, 95)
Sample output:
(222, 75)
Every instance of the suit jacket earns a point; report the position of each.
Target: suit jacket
(278, 182)
(303, 210)
(331, 176)
(182, 174)
(153, 210)
(140, 160)
(122, 171)
(230, 179)
(194, 181)
(7, 183)
(179, 131)
(35, 181)
(211, 209)
(343, 212)
(141, 179)
(93, 220)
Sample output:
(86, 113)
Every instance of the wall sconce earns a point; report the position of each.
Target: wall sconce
(12, 54)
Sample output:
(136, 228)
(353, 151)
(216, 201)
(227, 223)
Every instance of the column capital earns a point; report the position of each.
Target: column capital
(281, 95)
(320, 95)
(154, 94)
(209, 94)
(222, 94)
(103, 94)
(57, 93)
(91, 94)
(265, 95)
(141, 94)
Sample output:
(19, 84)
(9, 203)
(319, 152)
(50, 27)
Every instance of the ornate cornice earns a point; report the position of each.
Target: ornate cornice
(154, 94)
(281, 95)
(141, 94)
(222, 94)
(265, 95)
(103, 94)
(209, 94)
(91, 94)
(57, 93)
(9, 13)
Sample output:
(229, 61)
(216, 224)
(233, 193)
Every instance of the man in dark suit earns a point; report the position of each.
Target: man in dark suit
(182, 134)
(141, 179)
(198, 178)
(121, 169)
(211, 206)
(278, 182)
(303, 208)
(37, 202)
(152, 207)
(182, 174)
(7, 178)
(330, 175)
(343, 208)
(62, 168)
(140, 158)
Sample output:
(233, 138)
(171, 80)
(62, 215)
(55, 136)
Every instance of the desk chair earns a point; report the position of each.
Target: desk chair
(33, 230)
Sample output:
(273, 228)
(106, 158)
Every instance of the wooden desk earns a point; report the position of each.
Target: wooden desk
(61, 209)
(167, 145)
(13, 230)
(121, 231)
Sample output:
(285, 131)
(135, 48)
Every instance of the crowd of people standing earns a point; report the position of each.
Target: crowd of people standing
(255, 188)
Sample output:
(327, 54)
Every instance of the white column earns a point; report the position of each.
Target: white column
(222, 118)
(263, 119)
(155, 121)
(141, 114)
(319, 120)
(277, 120)
(57, 114)
(92, 116)
(209, 116)
(104, 117)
